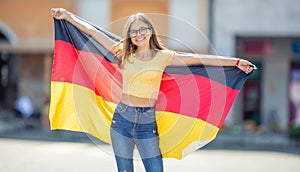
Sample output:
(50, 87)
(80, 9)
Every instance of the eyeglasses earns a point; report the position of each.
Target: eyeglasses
(142, 31)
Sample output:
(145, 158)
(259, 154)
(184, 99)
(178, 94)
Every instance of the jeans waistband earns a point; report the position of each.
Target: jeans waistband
(138, 108)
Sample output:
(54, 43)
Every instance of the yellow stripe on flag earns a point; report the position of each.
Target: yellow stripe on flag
(177, 132)
(77, 108)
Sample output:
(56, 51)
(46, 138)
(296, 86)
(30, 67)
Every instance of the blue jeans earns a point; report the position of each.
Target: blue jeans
(135, 126)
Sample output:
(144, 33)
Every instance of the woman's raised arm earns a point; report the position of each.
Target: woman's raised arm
(60, 14)
(212, 60)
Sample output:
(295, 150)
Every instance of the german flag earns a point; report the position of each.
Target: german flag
(86, 87)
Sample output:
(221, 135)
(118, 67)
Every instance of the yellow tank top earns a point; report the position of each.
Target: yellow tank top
(142, 78)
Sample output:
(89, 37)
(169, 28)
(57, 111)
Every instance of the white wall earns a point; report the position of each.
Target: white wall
(95, 11)
(188, 25)
(275, 99)
(253, 17)
(275, 91)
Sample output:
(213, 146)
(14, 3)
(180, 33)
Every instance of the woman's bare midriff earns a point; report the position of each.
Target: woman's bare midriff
(137, 101)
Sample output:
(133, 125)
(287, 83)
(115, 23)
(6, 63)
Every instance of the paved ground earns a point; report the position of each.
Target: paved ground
(48, 156)
(29, 147)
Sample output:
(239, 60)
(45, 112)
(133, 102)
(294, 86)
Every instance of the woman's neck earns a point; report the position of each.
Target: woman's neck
(144, 53)
(143, 49)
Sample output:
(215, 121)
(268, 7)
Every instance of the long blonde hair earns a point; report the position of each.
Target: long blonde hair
(128, 48)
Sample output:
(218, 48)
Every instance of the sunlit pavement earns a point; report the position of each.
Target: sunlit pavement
(43, 156)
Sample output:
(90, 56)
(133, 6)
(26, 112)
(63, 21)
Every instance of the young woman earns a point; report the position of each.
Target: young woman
(143, 61)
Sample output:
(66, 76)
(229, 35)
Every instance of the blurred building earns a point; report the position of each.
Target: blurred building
(265, 32)
(26, 48)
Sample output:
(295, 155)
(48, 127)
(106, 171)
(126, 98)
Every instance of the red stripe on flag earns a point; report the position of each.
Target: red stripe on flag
(202, 98)
(86, 69)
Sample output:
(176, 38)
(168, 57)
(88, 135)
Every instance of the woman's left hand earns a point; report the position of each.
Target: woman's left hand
(246, 66)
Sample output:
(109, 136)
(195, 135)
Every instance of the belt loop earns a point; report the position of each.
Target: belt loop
(123, 104)
(139, 109)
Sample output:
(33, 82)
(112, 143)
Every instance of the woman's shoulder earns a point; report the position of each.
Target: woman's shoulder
(167, 52)
(166, 56)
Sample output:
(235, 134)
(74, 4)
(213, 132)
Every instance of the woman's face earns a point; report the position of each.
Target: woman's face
(140, 33)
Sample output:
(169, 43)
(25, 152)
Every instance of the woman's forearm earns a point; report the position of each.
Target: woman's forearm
(212, 60)
(215, 60)
(81, 25)
(60, 13)
(92, 31)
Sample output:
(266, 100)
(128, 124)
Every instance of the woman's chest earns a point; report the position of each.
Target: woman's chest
(145, 72)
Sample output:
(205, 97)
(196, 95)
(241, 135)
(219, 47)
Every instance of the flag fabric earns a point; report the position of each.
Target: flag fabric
(86, 87)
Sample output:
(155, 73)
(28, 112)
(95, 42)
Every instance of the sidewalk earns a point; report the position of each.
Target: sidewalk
(32, 130)
(36, 156)
(258, 142)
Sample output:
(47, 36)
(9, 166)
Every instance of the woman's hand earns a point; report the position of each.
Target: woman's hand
(103, 39)
(245, 66)
(60, 13)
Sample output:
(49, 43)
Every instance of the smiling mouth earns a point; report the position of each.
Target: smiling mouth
(140, 39)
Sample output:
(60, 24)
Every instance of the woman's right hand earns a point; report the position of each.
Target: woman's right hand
(59, 13)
